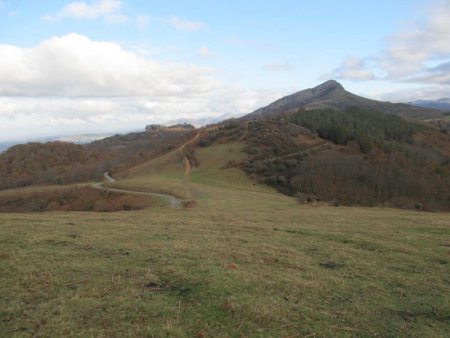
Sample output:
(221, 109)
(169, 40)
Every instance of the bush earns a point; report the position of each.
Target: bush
(72, 199)
(305, 198)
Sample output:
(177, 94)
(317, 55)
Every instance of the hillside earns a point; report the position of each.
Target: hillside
(49, 163)
(243, 261)
(240, 258)
(352, 157)
(64, 163)
(355, 156)
(332, 94)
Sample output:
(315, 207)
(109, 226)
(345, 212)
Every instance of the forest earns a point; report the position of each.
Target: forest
(368, 128)
(352, 157)
(50, 163)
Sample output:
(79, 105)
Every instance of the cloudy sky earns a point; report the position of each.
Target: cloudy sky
(115, 65)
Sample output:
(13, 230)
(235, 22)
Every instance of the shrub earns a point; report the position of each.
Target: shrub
(72, 199)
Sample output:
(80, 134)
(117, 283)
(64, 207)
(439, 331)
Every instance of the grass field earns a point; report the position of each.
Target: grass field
(244, 262)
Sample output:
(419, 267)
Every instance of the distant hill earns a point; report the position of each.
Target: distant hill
(48, 163)
(63, 163)
(441, 104)
(331, 94)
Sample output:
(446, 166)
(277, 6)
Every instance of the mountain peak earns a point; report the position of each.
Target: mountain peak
(327, 86)
(332, 95)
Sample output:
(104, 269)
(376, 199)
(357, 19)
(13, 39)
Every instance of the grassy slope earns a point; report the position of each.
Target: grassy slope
(163, 175)
(245, 262)
(229, 189)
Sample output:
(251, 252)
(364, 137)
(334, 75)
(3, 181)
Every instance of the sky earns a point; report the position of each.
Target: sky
(70, 67)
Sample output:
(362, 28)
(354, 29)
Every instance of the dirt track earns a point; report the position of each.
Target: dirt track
(175, 202)
(187, 162)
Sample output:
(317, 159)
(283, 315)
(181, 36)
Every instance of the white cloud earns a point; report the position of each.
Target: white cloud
(73, 65)
(204, 52)
(186, 25)
(409, 52)
(25, 117)
(109, 9)
(74, 84)
(278, 67)
(412, 94)
(352, 68)
(439, 74)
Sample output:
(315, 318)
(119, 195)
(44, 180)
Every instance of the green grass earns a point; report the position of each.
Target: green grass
(154, 184)
(245, 262)
(165, 175)
(329, 271)
(213, 169)
(169, 166)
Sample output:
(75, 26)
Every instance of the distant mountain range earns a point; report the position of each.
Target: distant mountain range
(331, 94)
(441, 104)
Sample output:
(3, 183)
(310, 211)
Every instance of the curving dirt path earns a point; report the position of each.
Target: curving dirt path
(175, 202)
(187, 163)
